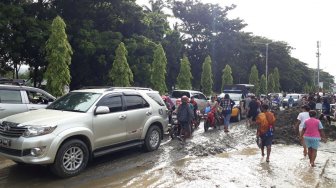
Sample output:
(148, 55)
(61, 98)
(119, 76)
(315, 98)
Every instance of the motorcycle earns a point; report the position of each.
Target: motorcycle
(175, 129)
(275, 105)
(197, 120)
(212, 121)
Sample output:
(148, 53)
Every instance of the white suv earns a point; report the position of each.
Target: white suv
(84, 124)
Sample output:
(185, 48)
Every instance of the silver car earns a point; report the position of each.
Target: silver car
(84, 124)
(17, 99)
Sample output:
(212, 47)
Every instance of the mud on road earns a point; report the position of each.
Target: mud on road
(211, 159)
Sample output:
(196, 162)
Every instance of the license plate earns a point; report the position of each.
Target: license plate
(5, 142)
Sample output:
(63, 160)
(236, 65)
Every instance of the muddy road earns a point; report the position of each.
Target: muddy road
(211, 159)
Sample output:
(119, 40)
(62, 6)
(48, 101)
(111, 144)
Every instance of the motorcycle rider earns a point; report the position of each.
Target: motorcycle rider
(195, 106)
(169, 107)
(214, 105)
(184, 116)
(276, 101)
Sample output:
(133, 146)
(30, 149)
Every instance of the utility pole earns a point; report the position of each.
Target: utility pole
(266, 71)
(318, 65)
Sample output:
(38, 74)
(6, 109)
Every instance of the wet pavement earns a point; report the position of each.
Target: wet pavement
(211, 159)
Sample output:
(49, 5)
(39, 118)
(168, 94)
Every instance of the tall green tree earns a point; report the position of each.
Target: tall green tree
(270, 83)
(208, 31)
(120, 73)
(276, 78)
(58, 55)
(185, 76)
(263, 84)
(207, 77)
(226, 76)
(254, 79)
(159, 70)
(307, 88)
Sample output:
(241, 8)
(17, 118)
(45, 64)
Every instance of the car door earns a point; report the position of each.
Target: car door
(37, 99)
(110, 128)
(138, 112)
(11, 102)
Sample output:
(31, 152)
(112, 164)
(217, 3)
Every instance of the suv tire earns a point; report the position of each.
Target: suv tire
(153, 138)
(77, 155)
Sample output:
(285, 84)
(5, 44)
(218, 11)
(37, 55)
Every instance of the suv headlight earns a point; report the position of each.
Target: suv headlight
(38, 131)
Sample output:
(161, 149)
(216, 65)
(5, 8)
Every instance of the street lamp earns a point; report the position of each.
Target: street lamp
(266, 61)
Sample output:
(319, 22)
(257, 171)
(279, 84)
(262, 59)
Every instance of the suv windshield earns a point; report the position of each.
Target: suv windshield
(75, 102)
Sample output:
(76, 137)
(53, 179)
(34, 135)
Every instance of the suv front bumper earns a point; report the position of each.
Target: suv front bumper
(22, 149)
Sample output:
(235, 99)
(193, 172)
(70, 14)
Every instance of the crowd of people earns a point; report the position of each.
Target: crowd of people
(309, 127)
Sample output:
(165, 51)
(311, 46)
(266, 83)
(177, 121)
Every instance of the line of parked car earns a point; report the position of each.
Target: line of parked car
(79, 126)
(65, 133)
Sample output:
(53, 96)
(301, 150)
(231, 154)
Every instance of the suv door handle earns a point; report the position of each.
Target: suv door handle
(122, 117)
(148, 113)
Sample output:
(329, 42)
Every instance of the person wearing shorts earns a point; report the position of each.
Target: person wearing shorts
(302, 117)
(265, 121)
(312, 133)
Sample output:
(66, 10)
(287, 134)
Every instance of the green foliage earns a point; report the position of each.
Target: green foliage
(263, 84)
(172, 45)
(270, 83)
(208, 32)
(227, 76)
(276, 78)
(159, 71)
(95, 29)
(207, 77)
(120, 73)
(58, 55)
(307, 88)
(140, 57)
(185, 76)
(254, 79)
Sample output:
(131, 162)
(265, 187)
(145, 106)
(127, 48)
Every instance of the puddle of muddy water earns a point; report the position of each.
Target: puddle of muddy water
(232, 160)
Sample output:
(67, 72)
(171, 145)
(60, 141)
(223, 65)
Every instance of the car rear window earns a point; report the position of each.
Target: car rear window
(179, 94)
(157, 98)
(10, 96)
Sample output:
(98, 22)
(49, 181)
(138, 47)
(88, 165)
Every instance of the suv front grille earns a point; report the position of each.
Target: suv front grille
(10, 129)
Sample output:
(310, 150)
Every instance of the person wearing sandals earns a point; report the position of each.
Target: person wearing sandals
(312, 132)
(265, 121)
(302, 117)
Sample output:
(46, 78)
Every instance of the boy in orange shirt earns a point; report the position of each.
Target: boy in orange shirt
(265, 121)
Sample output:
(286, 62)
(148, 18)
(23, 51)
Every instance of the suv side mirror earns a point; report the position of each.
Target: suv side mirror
(102, 110)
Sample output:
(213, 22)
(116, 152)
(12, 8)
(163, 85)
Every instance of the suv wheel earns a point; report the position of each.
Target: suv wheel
(153, 138)
(71, 159)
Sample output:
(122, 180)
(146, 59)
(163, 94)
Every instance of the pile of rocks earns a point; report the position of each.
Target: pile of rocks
(284, 127)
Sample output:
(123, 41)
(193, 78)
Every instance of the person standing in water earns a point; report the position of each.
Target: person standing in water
(302, 117)
(226, 104)
(311, 133)
(265, 121)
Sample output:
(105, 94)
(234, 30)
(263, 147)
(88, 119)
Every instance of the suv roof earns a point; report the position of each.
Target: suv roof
(180, 93)
(102, 89)
(17, 87)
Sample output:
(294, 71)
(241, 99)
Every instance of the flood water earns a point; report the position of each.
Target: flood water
(211, 159)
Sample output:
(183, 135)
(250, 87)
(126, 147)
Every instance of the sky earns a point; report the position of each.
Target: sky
(300, 23)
